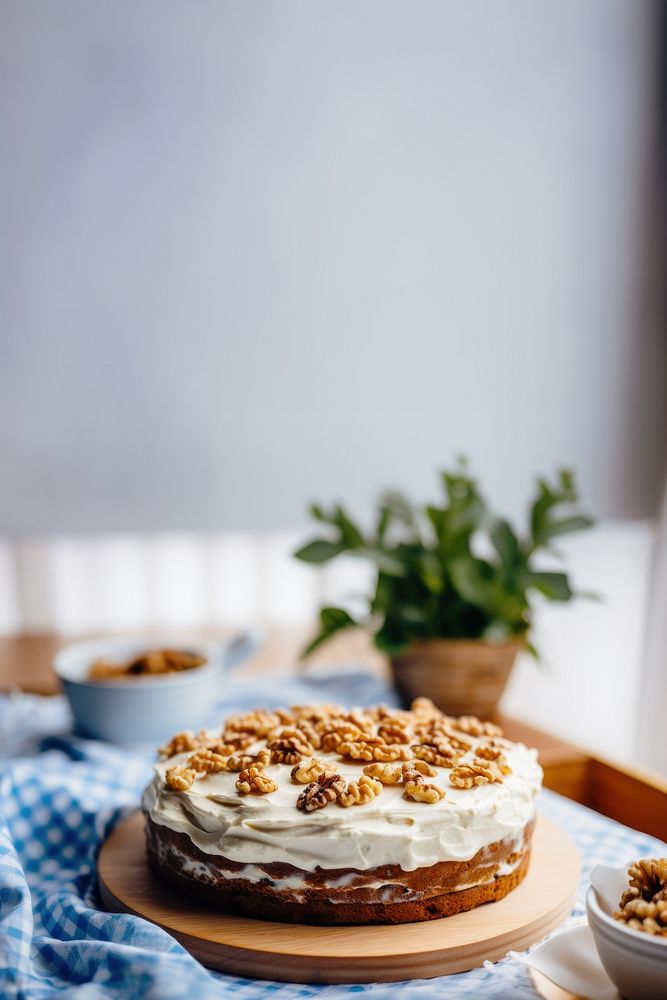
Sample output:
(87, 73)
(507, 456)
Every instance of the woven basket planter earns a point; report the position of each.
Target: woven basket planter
(462, 676)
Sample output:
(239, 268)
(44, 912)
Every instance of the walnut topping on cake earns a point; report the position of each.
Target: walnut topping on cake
(394, 729)
(422, 791)
(237, 741)
(359, 792)
(387, 774)
(426, 709)
(320, 793)
(341, 732)
(180, 778)
(371, 748)
(416, 788)
(309, 770)
(259, 723)
(208, 761)
(311, 733)
(389, 745)
(290, 746)
(495, 755)
(238, 762)
(471, 725)
(414, 769)
(180, 743)
(224, 749)
(253, 779)
(315, 713)
(439, 752)
(477, 772)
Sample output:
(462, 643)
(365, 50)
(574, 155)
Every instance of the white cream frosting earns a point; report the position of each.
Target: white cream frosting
(390, 829)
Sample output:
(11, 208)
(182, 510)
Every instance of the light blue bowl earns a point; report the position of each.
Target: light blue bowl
(145, 709)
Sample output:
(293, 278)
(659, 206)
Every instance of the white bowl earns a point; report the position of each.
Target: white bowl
(145, 708)
(635, 962)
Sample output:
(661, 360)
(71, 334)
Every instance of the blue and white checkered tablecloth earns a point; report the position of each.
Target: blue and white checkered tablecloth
(60, 796)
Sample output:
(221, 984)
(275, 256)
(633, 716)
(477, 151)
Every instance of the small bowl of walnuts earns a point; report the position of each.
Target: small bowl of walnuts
(627, 914)
(135, 690)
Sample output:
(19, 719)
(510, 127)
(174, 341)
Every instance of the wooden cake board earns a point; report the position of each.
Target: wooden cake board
(345, 954)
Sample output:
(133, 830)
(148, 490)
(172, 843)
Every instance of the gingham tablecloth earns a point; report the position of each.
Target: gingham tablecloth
(59, 798)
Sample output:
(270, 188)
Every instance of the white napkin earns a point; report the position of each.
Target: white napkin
(570, 960)
(610, 884)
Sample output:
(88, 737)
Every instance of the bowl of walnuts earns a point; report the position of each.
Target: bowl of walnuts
(627, 914)
(136, 690)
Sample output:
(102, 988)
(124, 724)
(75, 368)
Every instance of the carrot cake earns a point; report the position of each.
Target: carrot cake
(318, 814)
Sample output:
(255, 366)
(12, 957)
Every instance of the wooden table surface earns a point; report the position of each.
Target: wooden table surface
(627, 794)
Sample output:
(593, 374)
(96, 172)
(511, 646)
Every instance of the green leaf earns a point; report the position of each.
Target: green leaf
(349, 532)
(314, 644)
(555, 586)
(412, 615)
(319, 551)
(505, 542)
(332, 620)
(497, 632)
(530, 648)
(385, 560)
(317, 513)
(383, 522)
(543, 525)
(383, 598)
(567, 483)
(438, 519)
(430, 571)
(578, 522)
(538, 513)
(465, 513)
(399, 507)
(471, 579)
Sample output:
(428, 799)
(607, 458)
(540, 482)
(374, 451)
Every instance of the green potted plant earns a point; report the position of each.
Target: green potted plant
(455, 585)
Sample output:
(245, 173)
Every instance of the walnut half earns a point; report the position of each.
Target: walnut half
(239, 762)
(388, 774)
(289, 747)
(423, 791)
(253, 780)
(413, 773)
(180, 743)
(372, 748)
(180, 778)
(359, 792)
(207, 761)
(439, 752)
(416, 769)
(309, 770)
(477, 772)
(320, 793)
(472, 726)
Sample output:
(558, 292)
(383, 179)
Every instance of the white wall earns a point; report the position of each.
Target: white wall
(587, 687)
(254, 253)
(257, 252)
(652, 695)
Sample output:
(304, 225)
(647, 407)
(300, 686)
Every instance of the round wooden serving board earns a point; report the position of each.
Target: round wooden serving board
(345, 954)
